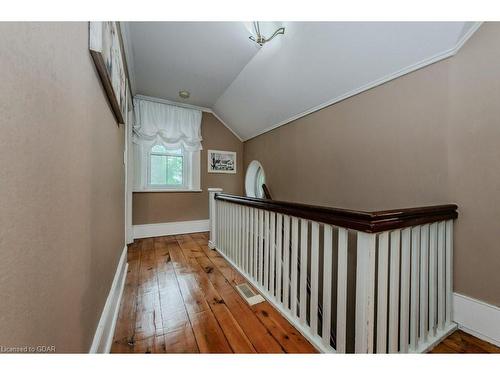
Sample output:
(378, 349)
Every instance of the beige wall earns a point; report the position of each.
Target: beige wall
(61, 188)
(432, 136)
(158, 207)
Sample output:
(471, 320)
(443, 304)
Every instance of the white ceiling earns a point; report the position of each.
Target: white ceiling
(313, 65)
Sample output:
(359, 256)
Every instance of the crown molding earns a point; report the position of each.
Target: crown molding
(410, 68)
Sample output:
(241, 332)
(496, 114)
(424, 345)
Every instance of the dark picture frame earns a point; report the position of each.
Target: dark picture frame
(106, 49)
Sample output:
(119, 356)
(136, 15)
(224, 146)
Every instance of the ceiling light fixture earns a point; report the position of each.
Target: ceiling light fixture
(184, 94)
(261, 39)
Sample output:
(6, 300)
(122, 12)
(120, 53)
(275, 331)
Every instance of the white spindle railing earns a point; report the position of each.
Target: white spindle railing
(403, 276)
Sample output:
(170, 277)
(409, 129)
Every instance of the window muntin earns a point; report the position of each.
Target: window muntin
(167, 167)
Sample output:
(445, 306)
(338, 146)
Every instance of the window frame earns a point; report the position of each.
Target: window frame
(185, 168)
(142, 169)
(254, 169)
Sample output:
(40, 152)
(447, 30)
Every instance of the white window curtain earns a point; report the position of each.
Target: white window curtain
(162, 123)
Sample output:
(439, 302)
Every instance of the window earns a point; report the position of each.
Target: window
(166, 167)
(166, 147)
(162, 168)
(254, 179)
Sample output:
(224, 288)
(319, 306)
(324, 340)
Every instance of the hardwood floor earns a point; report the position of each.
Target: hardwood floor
(179, 297)
(461, 342)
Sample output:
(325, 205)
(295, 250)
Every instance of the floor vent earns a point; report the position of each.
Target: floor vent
(249, 295)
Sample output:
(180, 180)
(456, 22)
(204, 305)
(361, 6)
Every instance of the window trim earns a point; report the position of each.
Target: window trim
(185, 168)
(251, 188)
(191, 171)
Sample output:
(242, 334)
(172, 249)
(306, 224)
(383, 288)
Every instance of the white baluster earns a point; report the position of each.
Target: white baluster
(449, 269)
(342, 292)
(432, 278)
(314, 277)
(272, 255)
(286, 260)
(279, 257)
(327, 284)
(266, 250)
(394, 292)
(245, 239)
(255, 244)
(251, 260)
(383, 268)
(365, 293)
(237, 223)
(224, 215)
(235, 234)
(231, 232)
(415, 279)
(228, 229)
(441, 274)
(218, 226)
(424, 281)
(261, 248)
(303, 270)
(224, 226)
(242, 235)
(405, 290)
(294, 259)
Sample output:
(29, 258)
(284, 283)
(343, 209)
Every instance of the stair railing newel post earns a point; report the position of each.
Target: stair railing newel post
(212, 212)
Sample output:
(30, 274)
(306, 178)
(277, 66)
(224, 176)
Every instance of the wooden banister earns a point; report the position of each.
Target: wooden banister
(403, 261)
(364, 221)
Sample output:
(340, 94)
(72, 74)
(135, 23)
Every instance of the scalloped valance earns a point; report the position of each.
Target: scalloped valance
(168, 124)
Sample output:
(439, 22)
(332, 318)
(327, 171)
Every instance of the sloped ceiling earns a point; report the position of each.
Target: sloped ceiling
(313, 65)
(201, 57)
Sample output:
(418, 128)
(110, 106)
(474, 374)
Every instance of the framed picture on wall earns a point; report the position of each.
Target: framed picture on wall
(106, 49)
(221, 161)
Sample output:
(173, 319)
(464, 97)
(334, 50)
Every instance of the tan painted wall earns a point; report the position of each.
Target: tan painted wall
(432, 136)
(474, 163)
(157, 207)
(61, 188)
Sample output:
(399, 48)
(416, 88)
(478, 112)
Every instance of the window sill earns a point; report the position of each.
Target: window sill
(167, 191)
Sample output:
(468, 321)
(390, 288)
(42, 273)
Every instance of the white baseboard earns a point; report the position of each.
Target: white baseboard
(103, 337)
(477, 318)
(166, 229)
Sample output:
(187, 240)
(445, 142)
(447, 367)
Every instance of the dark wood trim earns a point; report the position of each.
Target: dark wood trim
(370, 222)
(107, 85)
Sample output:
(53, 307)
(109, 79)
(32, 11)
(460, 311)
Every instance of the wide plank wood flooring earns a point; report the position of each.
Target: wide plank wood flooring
(179, 297)
(461, 342)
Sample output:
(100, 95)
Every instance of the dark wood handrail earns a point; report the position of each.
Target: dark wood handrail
(365, 221)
